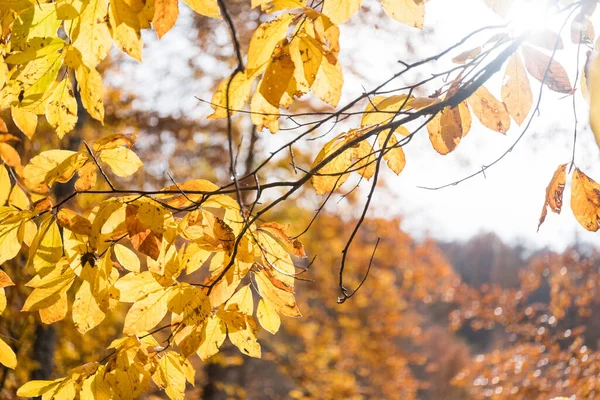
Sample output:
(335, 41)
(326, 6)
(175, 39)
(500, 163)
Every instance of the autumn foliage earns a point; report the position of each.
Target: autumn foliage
(172, 271)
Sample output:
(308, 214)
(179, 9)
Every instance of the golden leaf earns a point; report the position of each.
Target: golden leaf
(165, 16)
(516, 91)
(263, 43)
(268, 317)
(61, 110)
(585, 201)
(490, 111)
(340, 11)
(409, 12)
(122, 161)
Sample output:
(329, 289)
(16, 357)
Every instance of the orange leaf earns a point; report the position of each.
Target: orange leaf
(585, 201)
(554, 193)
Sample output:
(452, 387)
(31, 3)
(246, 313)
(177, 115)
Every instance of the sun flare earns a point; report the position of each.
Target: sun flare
(530, 15)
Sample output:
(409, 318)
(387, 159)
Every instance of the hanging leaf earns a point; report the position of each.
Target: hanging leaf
(547, 70)
(585, 201)
(516, 90)
(554, 193)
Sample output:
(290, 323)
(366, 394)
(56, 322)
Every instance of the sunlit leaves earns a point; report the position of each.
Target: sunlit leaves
(554, 193)
(121, 160)
(165, 15)
(232, 94)
(547, 70)
(594, 88)
(264, 41)
(61, 110)
(516, 90)
(335, 172)
(409, 12)
(585, 201)
(447, 129)
(8, 357)
(210, 8)
(339, 11)
(490, 112)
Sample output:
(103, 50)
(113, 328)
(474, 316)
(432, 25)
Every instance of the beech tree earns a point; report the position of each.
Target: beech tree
(198, 261)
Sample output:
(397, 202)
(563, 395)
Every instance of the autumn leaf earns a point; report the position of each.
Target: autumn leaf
(593, 76)
(340, 11)
(122, 161)
(516, 90)
(268, 317)
(554, 193)
(263, 43)
(490, 112)
(231, 96)
(165, 15)
(409, 12)
(61, 110)
(585, 201)
(547, 70)
(447, 129)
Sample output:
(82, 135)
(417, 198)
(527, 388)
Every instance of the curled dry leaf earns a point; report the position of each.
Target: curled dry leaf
(554, 193)
(447, 129)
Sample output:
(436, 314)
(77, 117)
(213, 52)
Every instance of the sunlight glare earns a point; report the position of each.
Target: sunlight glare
(529, 15)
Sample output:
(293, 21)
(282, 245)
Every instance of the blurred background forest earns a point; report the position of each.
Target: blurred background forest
(438, 318)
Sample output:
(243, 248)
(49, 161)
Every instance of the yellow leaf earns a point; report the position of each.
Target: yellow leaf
(382, 109)
(490, 112)
(87, 177)
(340, 11)
(67, 169)
(35, 172)
(280, 71)
(127, 258)
(5, 280)
(165, 16)
(9, 242)
(516, 91)
(90, 33)
(8, 357)
(135, 286)
(26, 121)
(89, 83)
(61, 110)
(409, 12)
(593, 76)
(37, 78)
(11, 157)
(277, 293)
(394, 157)
(171, 375)
(585, 201)
(46, 249)
(307, 54)
(241, 301)
(209, 8)
(146, 313)
(448, 128)
(239, 93)
(241, 330)
(190, 302)
(86, 311)
(18, 198)
(125, 28)
(328, 83)
(95, 386)
(56, 312)
(39, 21)
(5, 185)
(263, 114)
(74, 222)
(264, 41)
(38, 388)
(214, 332)
(268, 317)
(49, 291)
(122, 161)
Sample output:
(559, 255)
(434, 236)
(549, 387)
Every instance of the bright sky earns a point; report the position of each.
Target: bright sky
(507, 202)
